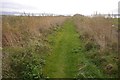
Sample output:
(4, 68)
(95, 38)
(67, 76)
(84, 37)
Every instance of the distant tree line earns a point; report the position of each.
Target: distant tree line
(41, 14)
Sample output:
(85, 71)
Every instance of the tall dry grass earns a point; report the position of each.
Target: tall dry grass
(103, 30)
(21, 28)
(102, 33)
(24, 42)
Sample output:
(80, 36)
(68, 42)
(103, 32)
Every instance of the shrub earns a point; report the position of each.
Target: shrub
(91, 45)
(26, 65)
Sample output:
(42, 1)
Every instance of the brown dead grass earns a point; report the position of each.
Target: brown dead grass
(21, 33)
(21, 28)
(103, 30)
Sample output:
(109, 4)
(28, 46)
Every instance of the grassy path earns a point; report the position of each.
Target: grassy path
(62, 62)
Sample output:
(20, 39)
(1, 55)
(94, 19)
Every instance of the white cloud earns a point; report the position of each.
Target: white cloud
(67, 6)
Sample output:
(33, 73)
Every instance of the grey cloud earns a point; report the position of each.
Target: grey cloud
(11, 5)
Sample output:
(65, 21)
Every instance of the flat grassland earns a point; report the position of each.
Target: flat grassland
(59, 47)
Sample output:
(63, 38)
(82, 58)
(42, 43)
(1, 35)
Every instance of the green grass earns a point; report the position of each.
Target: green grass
(67, 56)
(61, 62)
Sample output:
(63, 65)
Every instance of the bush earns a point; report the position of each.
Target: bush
(91, 45)
(26, 65)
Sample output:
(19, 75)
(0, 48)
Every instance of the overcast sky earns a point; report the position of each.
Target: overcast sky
(85, 7)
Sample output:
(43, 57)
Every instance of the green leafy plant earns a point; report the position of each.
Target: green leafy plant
(26, 65)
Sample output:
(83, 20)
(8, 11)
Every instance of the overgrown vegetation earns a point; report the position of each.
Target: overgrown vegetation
(100, 51)
(26, 64)
(59, 47)
(25, 44)
(102, 64)
(102, 30)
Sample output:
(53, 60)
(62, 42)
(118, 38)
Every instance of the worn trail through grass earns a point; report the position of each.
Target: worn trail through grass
(62, 61)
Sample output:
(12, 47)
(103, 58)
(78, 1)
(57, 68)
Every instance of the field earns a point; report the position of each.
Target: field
(59, 47)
